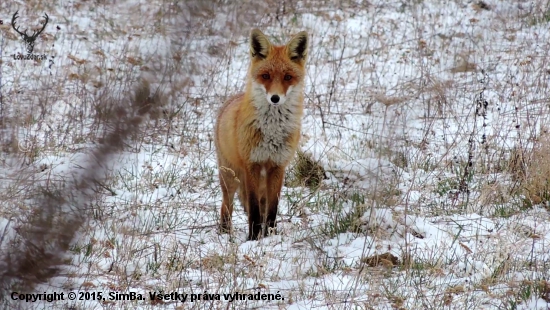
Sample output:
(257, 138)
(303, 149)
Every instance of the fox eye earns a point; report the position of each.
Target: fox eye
(265, 76)
(288, 77)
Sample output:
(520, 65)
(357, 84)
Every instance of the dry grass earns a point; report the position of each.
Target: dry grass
(45, 235)
(535, 181)
(306, 171)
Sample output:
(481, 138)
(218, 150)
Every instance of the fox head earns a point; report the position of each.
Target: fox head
(277, 72)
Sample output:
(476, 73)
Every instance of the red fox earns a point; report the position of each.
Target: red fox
(257, 132)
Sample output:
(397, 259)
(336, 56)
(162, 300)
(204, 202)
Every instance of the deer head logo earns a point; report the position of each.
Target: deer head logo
(29, 40)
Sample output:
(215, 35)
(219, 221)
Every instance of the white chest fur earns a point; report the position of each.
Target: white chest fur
(276, 123)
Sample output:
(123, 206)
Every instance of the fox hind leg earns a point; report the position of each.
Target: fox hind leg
(229, 184)
(243, 197)
(253, 196)
(274, 187)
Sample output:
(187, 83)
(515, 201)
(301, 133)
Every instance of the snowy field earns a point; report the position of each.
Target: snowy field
(428, 118)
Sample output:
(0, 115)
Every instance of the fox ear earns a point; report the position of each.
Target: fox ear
(297, 47)
(259, 44)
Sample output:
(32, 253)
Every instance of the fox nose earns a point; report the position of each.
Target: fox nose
(275, 98)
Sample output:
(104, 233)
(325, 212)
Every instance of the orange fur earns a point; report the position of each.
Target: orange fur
(257, 132)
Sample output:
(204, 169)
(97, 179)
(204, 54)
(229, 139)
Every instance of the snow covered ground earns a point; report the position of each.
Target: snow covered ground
(417, 111)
